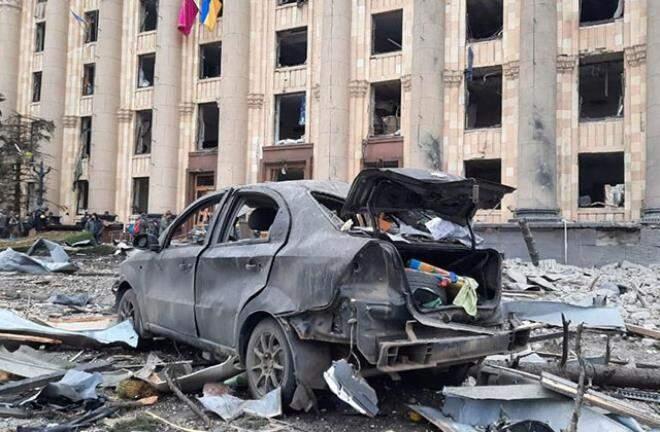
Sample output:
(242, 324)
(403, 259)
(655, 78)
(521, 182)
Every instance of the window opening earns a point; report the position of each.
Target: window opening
(252, 220)
(140, 195)
(194, 228)
(86, 136)
(601, 88)
(286, 173)
(40, 37)
(208, 116)
(148, 15)
(36, 87)
(82, 196)
(146, 67)
(143, 124)
(292, 47)
(299, 3)
(210, 60)
(92, 26)
(387, 32)
(483, 98)
(290, 118)
(601, 180)
(89, 73)
(386, 108)
(485, 19)
(600, 11)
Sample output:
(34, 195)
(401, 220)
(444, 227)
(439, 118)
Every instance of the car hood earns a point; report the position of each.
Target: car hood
(452, 197)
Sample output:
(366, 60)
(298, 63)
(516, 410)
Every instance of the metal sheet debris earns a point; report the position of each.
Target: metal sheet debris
(120, 333)
(501, 392)
(28, 363)
(439, 420)
(229, 407)
(190, 382)
(70, 299)
(549, 312)
(75, 386)
(59, 261)
(349, 386)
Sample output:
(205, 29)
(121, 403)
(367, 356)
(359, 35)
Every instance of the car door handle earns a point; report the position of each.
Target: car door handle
(185, 267)
(252, 266)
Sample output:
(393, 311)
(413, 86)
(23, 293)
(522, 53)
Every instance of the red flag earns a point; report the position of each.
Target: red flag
(187, 14)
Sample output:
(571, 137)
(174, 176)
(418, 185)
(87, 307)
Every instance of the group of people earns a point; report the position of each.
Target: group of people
(144, 225)
(94, 225)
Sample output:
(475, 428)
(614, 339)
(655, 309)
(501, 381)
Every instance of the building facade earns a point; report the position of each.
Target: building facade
(553, 97)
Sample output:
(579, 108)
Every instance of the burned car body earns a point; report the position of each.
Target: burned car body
(289, 276)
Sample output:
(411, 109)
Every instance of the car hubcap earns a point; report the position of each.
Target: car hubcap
(267, 369)
(127, 310)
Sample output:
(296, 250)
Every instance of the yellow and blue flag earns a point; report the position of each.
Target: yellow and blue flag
(209, 12)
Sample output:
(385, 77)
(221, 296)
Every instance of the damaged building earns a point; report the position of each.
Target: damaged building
(284, 90)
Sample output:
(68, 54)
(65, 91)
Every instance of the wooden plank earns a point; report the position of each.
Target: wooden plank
(29, 339)
(643, 331)
(32, 383)
(597, 399)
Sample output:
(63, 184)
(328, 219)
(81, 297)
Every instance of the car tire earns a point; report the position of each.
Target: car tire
(128, 308)
(269, 361)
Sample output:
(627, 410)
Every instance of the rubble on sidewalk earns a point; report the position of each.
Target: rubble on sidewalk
(58, 260)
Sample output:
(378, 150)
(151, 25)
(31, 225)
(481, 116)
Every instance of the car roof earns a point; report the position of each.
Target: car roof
(292, 187)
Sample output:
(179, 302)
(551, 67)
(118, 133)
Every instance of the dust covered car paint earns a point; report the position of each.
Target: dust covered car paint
(290, 276)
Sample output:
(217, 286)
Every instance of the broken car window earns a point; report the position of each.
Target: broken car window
(194, 228)
(252, 220)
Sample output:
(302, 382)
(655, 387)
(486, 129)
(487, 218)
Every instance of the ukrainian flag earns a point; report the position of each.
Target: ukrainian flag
(209, 11)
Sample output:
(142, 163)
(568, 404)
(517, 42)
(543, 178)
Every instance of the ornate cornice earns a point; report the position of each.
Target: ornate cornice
(406, 82)
(511, 70)
(11, 3)
(635, 55)
(69, 121)
(255, 100)
(452, 78)
(186, 108)
(124, 115)
(358, 88)
(566, 64)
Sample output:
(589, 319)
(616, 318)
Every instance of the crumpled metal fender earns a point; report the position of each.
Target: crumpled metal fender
(132, 272)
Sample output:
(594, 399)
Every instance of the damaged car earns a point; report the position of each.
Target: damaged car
(290, 276)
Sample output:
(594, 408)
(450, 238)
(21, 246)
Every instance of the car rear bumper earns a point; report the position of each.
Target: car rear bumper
(413, 353)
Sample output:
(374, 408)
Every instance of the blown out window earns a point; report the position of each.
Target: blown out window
(598, 11)
(292, 47)
(387, 32)
(386, 108)
(140, 195)
(290, 118)
(208, 116)
(210, 60)
(483, 98)
(143, 123)
(601, 179)
(86, 136)
(148, 15)
(601, 87)
(484, 19)
(146, 69)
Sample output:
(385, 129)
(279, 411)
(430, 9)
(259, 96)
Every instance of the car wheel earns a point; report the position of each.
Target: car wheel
(269, 361)
(128, 309)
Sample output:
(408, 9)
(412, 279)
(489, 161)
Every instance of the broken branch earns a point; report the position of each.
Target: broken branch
(529, 241)
(186, 400)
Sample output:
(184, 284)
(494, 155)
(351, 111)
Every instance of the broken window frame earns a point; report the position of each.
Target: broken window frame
(472, 167)
(36, 86)
(82, 196)
(483, 74)
(203, 68)
(39, 36)
(283, 35)
(618, 13)
(89, 77)
(143, 132)
(395, 112)
(142, 81)
(496, 34)
(91, 26)
(202, 142)
(140, 185)
(302, 119)
(148, 17)
(397, 45)
(592, 62)
(86, 136)
(605, 168)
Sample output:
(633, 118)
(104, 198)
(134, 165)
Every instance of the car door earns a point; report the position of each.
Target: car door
(170, 288)
(236, 266)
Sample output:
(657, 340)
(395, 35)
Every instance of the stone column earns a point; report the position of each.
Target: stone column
(165, 132)
(537, 149)
(331, 151)
(232, 142)
(652, 194)
(105, 125)
(10, 31)
(423, 146)
(53, 90)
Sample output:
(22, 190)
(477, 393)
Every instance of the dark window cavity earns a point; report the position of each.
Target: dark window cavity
(210, 60)
(148, 15)
(484, 169)
(288, 173)
(39, 37)
(290, 118)
(386, 108)
(82, 196)
(146, 68)
(600, 11)
(292, 47)
(601, 87)
(252, 219)
(92, 26)
(143, 124)
(86, 136)
(36, 87)
(208, 116)
(140, 195)
(601, 179)
(483, 98)
(485, 19)
(387, 32)
(382, 164)
(89, 73)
